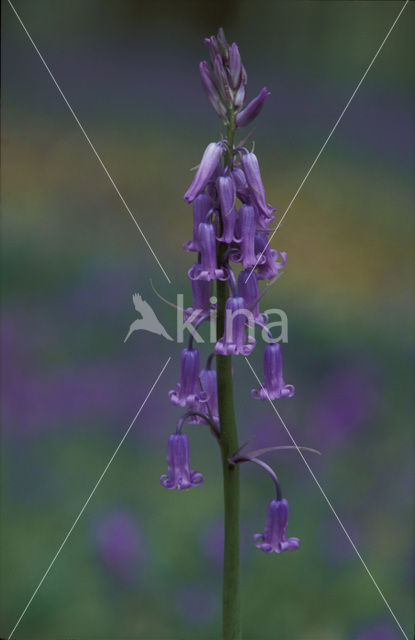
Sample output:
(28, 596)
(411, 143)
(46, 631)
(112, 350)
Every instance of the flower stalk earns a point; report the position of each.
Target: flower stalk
(228, 442)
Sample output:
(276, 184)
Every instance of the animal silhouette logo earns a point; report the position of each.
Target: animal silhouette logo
(148, 320)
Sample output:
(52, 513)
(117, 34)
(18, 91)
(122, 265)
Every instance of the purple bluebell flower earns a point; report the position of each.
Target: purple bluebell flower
(269, 267)
(274, 536)
(179, 475)
(201, 298)
(252, 110)
(241, 185)
(187, 391)
(208, 164)
(212, 91)
(274, 385)
(226, 192)
(252, 172)
(209, 386)
(201, 207)
(235, 340)
(207, 269)
(245, 235)
(248, 290)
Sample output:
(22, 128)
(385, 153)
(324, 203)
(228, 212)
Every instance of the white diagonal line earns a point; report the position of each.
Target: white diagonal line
(327, 139)
(89, 498)
(98, 157)
(328, 501)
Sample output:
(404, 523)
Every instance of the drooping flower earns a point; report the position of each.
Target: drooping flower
(209, 386)
(273, 386)
(201, 298)
(207, 269)
(201, 207)
(268, 265)
(208, 164)
(252, 173)
(235, 339)
(274, 537)
(187, 392)
(252, 109)
(245, 235)
(179, 475)
(248, 290)
(226, 192)
(241, 185)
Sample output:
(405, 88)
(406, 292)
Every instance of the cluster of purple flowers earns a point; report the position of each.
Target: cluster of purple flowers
(231, 219)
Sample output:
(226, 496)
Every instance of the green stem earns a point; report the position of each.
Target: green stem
(228, 444)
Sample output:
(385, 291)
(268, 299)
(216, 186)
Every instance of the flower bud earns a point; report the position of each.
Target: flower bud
(206, 169)
(252, 110)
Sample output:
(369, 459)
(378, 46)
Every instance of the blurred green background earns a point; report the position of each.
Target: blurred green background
(142, 562)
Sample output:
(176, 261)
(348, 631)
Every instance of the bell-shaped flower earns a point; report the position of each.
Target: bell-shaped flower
(273, 386)
(235, 340)
(187, 392)
(201, 207)
(248, 290)
(207, 269)
(252, 109)
(226, 192)
(245, 235)
(241, 185)
(274, 537)
(208, 164)
(252, 173)
(268, 265)
(179, 475)
(201, 298)
(208, 381)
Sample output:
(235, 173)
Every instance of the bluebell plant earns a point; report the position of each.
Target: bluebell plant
(231, 227)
